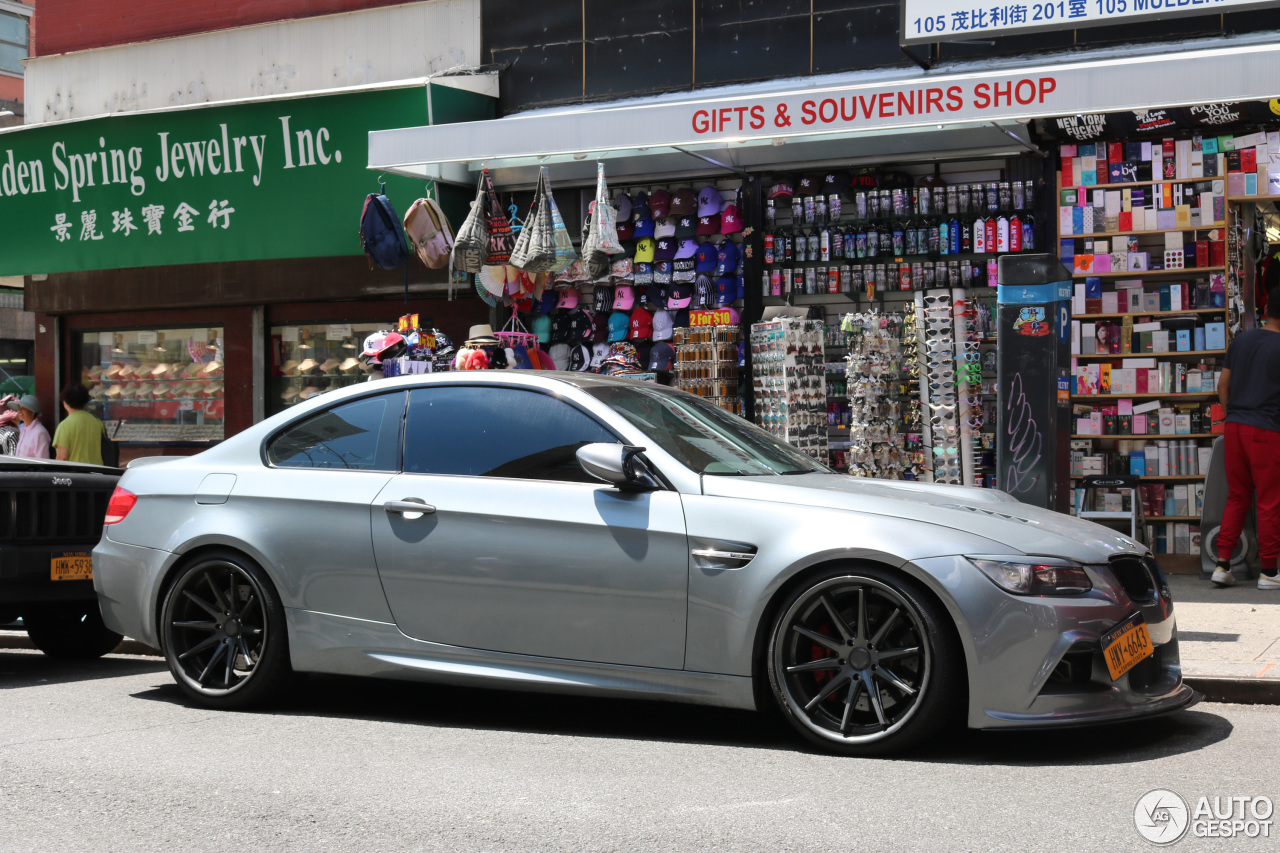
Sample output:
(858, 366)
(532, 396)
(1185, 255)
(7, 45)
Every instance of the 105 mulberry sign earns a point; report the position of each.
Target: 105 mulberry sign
(950, 20)
(280, 179)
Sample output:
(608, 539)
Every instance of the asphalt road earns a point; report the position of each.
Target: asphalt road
(107, 756)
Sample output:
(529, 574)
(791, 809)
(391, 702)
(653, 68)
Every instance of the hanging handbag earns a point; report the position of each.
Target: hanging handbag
(535, 249)
(602, 232)
(471, 243)
(565, 254)
(496, 223)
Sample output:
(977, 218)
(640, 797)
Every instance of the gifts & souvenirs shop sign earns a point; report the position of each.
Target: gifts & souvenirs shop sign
(252, 181)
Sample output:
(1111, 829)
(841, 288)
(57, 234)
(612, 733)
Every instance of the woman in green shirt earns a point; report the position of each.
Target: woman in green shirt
(79, 436)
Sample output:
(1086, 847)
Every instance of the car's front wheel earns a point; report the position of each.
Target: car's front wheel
(861, 660)
(224, 632)
(73, 631)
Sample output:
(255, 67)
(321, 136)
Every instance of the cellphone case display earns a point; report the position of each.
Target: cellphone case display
(156, 385)
(789, 379)
(707, 364)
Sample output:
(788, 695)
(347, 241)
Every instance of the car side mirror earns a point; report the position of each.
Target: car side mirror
(619, 465)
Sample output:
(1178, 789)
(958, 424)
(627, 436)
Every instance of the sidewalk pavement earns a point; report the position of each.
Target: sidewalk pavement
(1229, 639)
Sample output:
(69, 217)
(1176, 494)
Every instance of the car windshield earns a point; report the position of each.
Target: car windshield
(704, 437)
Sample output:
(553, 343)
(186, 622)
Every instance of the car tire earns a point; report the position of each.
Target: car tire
(863, 661)
(71, 632)
(224, 634)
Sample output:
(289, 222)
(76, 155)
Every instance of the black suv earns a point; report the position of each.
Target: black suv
(50, 520)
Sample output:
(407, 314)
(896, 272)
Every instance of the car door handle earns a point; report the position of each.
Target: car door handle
(418, 508)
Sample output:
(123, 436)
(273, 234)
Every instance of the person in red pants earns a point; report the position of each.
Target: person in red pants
(1250, 392)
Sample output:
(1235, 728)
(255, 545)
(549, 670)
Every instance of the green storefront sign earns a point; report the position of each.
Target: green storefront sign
(279, 179)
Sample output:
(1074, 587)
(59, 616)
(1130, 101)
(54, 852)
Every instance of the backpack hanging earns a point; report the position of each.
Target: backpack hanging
(496, 223)
(381, 234)
(471, 244)
(535, 250)
(429, 233)
(601, 240)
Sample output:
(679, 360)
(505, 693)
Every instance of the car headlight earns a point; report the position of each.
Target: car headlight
(1035, 577)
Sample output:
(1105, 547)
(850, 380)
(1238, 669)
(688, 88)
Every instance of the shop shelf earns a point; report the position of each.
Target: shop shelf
(1185, 230)
(1136, 314)
(1171, 518)
(1172, 354)
(1153, 436)
(1187, 271)
(1235, 198)
(1156, 477)
(1139, 183)
(1198, 395)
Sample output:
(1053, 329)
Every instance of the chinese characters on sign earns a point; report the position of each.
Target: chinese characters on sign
(153, 214)
(943, 20)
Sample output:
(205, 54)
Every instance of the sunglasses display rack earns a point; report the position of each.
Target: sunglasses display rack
(789, 378)
(883, 418)
(707, 364)
(951, 383)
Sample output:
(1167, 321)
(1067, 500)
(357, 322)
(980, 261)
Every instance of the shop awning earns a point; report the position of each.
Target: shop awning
(901, 114)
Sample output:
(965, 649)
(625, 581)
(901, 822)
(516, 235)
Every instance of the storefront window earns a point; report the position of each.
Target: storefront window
(155, 385)
(306, 360)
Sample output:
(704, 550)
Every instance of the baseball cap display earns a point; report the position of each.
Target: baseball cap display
(727, 290)
(679, 296)
(622, 270)
(619, 324)
(600, 327)
(643, 273)
(560, 328)
(708, 225)
(644, 251)
(541, 327)
(659, 203)
(709, 201)
(640, 207)
(729, 258)
(665, 249)
(662, 358)
(580, 358)
(599, 352)
(602, 298)
(560, 356)
(626, 230)
(624, 297)
(663, 328)
(704, 292)
(641, 324)
(686, 226)
(687, 249)
(622, 202)
(568, 298)
(683, 202)
(664, 227)
(730, 220)
(662, 273)
(707, 257)
(809, 185)
(780, 188)
(547, 303)
(683, 269)
(644, 228)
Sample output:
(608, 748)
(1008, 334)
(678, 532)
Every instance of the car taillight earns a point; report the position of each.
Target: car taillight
(122, 500)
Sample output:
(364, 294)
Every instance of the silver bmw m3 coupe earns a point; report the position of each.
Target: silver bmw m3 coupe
(574, 533)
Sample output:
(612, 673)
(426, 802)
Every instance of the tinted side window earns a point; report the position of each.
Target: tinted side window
(362, 435)
(497, 432)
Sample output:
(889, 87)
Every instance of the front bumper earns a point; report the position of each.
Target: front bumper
(125, 577)
(1036, 661)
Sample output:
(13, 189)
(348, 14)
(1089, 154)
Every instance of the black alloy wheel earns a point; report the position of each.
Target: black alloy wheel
(224, 633)
(859, 662)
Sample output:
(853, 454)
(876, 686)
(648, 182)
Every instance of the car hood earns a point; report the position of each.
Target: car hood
(23, 463)
(989, 513)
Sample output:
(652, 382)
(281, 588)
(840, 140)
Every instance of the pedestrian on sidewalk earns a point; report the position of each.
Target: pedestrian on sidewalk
(79, 437)
(1250, 393)
(33, 438)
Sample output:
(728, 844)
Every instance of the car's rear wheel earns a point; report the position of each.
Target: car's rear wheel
(224, 632)
(72, 631)
(861, 660)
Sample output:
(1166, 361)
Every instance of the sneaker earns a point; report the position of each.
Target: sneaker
(1268, 581)
(1223, 577)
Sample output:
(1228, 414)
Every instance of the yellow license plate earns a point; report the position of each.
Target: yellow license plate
(71, 566)
(1126, 645)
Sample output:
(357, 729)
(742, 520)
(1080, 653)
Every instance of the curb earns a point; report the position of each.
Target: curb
(18, 640)
(1238, 691)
